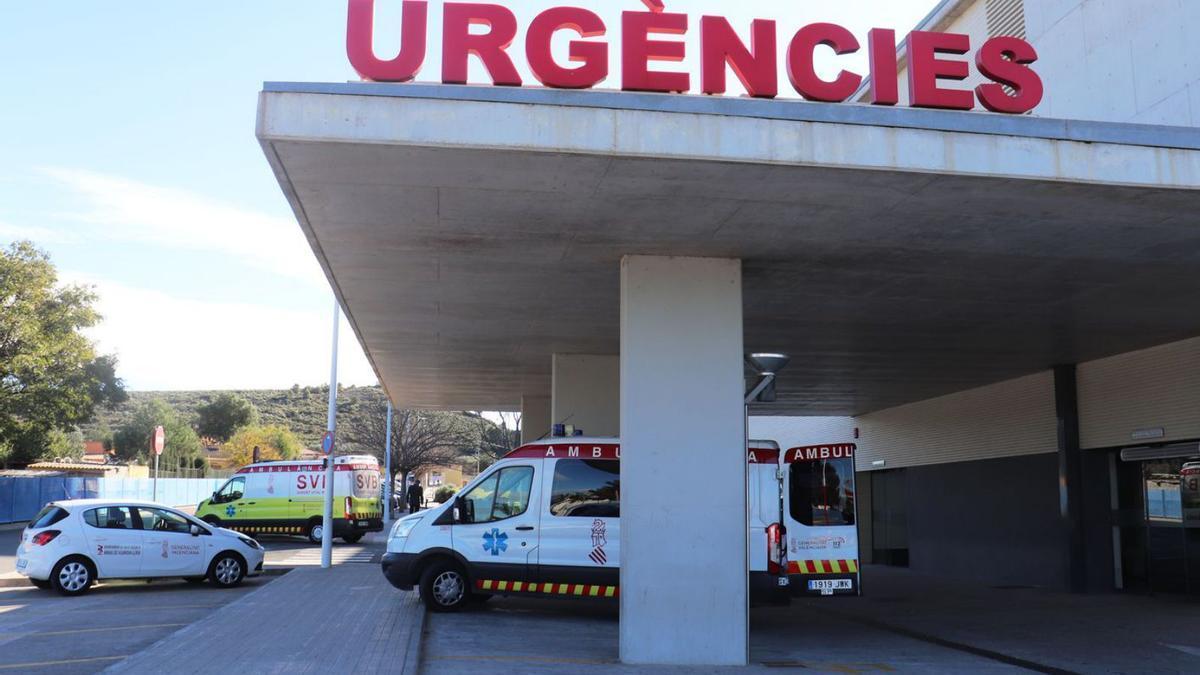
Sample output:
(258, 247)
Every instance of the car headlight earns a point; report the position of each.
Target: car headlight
(249, 542)
(403, 527)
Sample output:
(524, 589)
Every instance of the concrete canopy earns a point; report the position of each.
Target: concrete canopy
(895, 254)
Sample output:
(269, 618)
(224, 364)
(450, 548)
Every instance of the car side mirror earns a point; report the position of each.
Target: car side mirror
(460, 510)
(195, 530)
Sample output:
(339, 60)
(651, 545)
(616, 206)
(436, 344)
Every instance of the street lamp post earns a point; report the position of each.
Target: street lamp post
(330, 426)
(387, 471)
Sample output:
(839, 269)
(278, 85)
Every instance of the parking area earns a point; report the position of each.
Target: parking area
(41, 631)
(905, 623)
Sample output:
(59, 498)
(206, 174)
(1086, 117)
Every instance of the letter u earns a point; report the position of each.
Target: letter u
(360, 37)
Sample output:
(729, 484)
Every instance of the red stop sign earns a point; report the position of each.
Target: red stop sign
(160, 437)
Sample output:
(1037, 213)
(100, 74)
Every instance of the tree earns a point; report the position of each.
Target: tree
(182, 449)
(420, 439)
(221, 417)
(64, 445)
(494, 440)
(273, 442)
(50, 375)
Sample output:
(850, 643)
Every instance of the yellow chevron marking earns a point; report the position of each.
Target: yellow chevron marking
(517, 585)
(504, 585)
(594, 591)
(608, 592)
(487, 585)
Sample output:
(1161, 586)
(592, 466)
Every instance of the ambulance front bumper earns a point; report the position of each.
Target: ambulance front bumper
(397, 569)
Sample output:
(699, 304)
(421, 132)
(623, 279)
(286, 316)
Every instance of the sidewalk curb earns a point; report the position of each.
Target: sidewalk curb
(416, 646)
(23, 582)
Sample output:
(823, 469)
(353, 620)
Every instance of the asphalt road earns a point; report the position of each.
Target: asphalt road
(41, 631)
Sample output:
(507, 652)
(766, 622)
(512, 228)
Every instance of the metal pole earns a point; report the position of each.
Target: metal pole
(387, 472)
(331, 426)
(155, 498)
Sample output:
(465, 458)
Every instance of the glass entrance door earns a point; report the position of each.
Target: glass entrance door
(1161, 553)
(1166, 536)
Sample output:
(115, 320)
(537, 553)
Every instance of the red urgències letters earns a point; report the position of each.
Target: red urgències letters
(648, 37)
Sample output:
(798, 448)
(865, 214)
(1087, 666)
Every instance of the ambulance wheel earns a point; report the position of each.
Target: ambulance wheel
(444, 587)
(315, 531)
(352, 538)
(43, 584)
(212, 520)
(73, 575)
(227, 570)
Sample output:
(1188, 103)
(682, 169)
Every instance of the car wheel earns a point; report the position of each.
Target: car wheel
(315, 531)
(352, 538)
(444, 587)
(72, 576)
(43, 584)
(227, 570)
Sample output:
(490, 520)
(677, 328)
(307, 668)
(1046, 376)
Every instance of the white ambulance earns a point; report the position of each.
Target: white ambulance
(545, 520)
(820, 515)
(288, 497)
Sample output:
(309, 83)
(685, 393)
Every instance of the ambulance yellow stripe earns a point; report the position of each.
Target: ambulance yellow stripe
(503, 585)
(595, 590)
(517, 585)
(487, 585)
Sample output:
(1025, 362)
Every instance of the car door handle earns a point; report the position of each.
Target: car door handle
(524, 528)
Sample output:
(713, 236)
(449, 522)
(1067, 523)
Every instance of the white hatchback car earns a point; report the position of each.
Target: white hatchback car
(70, 544)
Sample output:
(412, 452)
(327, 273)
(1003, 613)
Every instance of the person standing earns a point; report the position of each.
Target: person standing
(415, 496)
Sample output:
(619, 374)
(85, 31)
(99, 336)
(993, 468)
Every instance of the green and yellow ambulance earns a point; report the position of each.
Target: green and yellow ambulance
(288, 498)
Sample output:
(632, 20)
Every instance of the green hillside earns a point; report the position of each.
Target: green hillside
(301, 409)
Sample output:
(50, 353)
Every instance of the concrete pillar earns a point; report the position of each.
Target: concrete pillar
(684, 593)
(535, 417)
(585, 391)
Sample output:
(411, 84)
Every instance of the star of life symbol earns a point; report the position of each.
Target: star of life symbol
(495, 541)
(599, 539)
(230, 510)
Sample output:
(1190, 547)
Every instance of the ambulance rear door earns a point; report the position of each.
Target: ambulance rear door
(763, 496)
(820, 516)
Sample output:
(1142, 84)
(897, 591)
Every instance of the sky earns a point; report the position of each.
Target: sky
(127, 152)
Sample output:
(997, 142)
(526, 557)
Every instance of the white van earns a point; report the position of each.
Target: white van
(545, 520)
(820, 515)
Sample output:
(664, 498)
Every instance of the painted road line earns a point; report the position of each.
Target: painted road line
(74, 631)
(60, 662)
(138, 608)
(523, 659)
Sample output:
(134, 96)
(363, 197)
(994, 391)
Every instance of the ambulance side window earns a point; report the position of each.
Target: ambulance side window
(822, 492)
(502, 495)
(232, 491)
(586, 488)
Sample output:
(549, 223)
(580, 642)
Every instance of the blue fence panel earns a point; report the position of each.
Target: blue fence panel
(22, 497)
(27, 499)
(6, 499)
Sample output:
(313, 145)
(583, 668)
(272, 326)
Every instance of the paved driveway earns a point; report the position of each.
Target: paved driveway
(41, 631)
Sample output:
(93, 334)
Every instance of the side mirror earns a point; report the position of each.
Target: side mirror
(213, 499)
(460, 510)
(195, 530)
